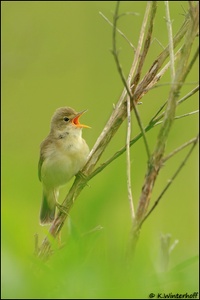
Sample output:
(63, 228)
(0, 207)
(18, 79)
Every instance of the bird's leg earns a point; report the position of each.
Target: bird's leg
(59, 206)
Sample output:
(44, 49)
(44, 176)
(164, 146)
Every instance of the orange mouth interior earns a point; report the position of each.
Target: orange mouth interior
(75, 121)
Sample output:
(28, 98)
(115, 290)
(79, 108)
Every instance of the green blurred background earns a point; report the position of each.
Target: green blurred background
(57, 53)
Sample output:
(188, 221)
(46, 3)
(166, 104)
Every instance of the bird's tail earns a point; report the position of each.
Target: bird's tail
(48, 207)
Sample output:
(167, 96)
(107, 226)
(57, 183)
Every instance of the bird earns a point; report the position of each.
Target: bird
(63, 153)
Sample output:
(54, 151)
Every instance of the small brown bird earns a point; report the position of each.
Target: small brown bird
(62, 155)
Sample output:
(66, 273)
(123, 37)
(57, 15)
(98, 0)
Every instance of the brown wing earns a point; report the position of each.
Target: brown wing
(40, 166)
(43, 147)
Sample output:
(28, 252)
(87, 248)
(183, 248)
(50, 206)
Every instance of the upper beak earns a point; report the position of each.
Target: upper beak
(75, 120)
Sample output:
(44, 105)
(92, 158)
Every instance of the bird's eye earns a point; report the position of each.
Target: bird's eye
(66, 119)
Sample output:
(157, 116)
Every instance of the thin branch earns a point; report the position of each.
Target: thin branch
(128, 137)
(187, 114)
(120, 32)
(159, 61)
(140, 41)
(114, 51)
(152, 123)
(169, 83)
(129, 96)
(119, 68)
(127, 85)
(150, 14)
(195, 141)
(170, 38)
(156, 118)
(188, 95)
(153, 82)
(159, 43)
(128, 13)
(154, 77)
(193, 60)
(170, 155)
(180, 117)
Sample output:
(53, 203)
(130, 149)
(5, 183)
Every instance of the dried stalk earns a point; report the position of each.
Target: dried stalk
(194, 142)
(118, 115)
(156, 159)
(170, 35)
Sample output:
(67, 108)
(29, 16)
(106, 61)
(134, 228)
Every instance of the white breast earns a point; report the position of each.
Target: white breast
(63, 160)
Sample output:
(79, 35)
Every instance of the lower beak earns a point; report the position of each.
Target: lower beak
(75, 120)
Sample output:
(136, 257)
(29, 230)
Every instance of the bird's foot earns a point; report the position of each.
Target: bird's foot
(61, 208)
(81, 175)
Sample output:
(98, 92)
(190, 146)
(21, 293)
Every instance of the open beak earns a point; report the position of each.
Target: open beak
(75, 120)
